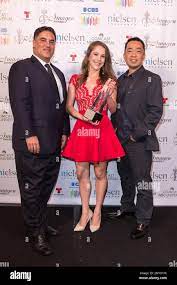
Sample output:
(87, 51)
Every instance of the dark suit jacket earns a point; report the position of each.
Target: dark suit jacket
(34, 106)
(143, 105)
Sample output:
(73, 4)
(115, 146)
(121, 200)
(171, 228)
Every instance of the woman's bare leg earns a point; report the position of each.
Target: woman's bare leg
(101, 187)
(83, 176)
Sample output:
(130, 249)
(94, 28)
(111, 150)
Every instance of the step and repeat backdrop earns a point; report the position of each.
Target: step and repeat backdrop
(77, 23)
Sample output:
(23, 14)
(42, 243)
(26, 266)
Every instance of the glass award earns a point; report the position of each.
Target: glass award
(93, 113)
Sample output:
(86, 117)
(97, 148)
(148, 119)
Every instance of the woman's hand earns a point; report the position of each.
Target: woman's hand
(83, 118)
(87, 120)
(96, 123)
(110, 86)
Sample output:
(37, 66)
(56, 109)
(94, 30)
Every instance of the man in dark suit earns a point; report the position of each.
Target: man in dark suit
(37, 91)
(138, 112)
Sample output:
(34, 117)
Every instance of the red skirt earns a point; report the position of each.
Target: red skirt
(89, 143)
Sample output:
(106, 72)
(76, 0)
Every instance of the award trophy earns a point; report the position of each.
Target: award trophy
(94, 112)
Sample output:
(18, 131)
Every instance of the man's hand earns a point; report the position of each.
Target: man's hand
(33, 144)
(63, 141)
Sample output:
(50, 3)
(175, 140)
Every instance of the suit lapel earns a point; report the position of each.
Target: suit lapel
(42, 68)
(38, 64)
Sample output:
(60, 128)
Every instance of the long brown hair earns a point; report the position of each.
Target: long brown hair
(105, 72)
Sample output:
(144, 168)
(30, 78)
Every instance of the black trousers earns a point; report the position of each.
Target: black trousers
(134, 170)
(37, 175)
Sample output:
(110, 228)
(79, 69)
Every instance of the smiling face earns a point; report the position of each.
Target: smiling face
(96, 58)
(134, 55)
(44, 45)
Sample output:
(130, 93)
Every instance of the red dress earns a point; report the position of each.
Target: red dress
(89, 143)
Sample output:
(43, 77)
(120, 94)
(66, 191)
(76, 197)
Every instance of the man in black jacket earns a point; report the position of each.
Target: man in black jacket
(139, 110)
(37, 91)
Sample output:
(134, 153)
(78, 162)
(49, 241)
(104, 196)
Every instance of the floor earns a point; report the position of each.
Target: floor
(111, 246)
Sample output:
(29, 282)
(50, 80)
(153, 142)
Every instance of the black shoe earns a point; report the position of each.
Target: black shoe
(124, 215)
(139, 232)
(51, 231)
(41, 245)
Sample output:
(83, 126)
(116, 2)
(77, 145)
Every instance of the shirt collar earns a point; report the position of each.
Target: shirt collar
(134, 74)
(40, 60)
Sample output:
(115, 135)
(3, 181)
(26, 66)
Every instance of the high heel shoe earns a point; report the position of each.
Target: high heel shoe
(80, 228)
(94, 228)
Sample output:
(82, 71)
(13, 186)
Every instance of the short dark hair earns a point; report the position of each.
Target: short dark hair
(133, 40)
(42, 29)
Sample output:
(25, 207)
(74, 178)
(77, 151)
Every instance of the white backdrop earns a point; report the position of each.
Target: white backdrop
(77, 23)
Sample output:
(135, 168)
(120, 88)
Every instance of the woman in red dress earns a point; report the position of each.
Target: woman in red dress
(92, 142)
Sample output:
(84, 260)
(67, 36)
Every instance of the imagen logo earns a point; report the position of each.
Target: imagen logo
(166, 3)
(149, 43)
(165, 121)
(168, 83)
(161, 159)
(9, 60)
(22, 38)
(148, 20)
(45, 19)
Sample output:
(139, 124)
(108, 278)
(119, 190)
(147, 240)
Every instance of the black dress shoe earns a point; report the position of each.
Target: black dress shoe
(41, 245)
(51, 231)
(139, 232)
(124, 215)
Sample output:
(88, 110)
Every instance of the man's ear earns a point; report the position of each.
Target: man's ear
(34, 44)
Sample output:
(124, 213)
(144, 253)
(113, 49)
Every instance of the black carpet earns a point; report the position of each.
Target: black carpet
(111, 246)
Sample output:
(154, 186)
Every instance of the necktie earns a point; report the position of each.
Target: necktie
(54, 83)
